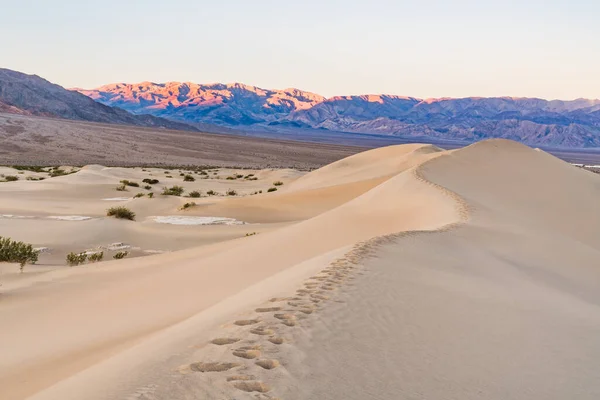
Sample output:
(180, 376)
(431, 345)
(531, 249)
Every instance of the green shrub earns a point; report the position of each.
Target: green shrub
(231, 192)
(278, 183)
(251, 234)
(150, 181)
(121, 188)
(231, 178)
(169, 176)
(57, 172)
(120, 255)
(273, 189)
(238, 176)
(11, 178)
(173, 191)
(34, 178)
(17, 252)
(203, 173)
(74, 259)
(96, 257)
(28, 168)
(151, 195)
(137, 196)
(195, 193)
(189, 178)
(130, 183)
(211, 193)
(148, 187)
(121, 212)
(188, 205)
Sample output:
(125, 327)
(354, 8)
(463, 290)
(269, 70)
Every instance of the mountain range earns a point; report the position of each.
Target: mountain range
(235, 107)
(31, 95)
(532, 121)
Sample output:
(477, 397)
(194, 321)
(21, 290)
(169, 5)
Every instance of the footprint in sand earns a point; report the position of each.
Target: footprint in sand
(268, 364)
(276, 340)
(267, 309)
(223, 341)
(247, 354)
(252, 386)
(245, 322)
(263, 331)
(213, 366)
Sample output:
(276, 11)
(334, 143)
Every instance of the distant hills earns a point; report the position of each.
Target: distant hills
(529, 120)
(31, 95)
(231, 108)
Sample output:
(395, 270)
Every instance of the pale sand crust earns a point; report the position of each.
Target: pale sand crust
(236, 343)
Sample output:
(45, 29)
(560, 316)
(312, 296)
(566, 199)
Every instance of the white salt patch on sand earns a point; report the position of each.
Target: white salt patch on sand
(179, 220)
(117, 199)
(69, 217)
(118, 246)
(10, 216)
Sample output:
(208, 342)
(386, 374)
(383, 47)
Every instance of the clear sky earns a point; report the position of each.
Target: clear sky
(433, 48)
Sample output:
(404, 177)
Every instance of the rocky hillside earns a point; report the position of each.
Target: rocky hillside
(532, 121)
(31, 95)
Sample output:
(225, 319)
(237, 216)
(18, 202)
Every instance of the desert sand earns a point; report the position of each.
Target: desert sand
(400, 272)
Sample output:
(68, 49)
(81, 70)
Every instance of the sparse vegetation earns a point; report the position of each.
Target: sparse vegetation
(34, 178)
(189, 178)
(130, 183)
(28, 168)
(17, 252)
(251, 234)
(277, 183)
(173, 191)
(121, 212)
(120, 255)
(96, 257)
(211, 193)
(74, 259)
(121, 188)
(231, 192)
(188, 205)
(231, 178)
(273, 189)
(148, 187)
(11, 178)
(151, 195)
(137, 196)
(150, 181)
(195, 194)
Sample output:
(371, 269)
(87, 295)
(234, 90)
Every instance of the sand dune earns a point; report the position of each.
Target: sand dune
(141, 328)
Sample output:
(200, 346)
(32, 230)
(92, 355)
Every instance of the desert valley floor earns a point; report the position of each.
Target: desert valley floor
(403, 272)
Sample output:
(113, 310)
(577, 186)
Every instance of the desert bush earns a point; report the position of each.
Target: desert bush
(130, 183)
(173, 191)
(203, 173)
(151, 195)
(150, 181)
(28, 168)
(34, 178)
(189, 178)
(182, 174)
(211, 193)
(74, 259)
(121, 188)
(188, 205)
(273, 189)
(231, 192)
(148, 187)
(169, 176)
(120, 255)
(137, 196)
(121, 212)
(17, 252)
(195, 193)
(11, 178)
(238, 176)
(57, 172)
(96, 256)
(231, 178)
(251, 234)
(278, 183)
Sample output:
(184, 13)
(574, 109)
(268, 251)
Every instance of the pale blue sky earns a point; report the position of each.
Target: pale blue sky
(434, 48)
